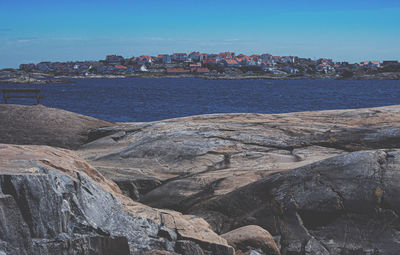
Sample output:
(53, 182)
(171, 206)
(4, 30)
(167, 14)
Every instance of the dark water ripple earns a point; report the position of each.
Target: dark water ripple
(154, 99)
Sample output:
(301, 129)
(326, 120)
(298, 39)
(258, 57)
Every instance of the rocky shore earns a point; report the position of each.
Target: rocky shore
(33, 81)
(304, 183)
(21, 77)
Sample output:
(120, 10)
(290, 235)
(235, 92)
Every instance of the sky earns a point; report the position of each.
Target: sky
(32, 31)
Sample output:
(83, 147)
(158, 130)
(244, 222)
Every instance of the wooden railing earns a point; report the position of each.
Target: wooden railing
(20, 93)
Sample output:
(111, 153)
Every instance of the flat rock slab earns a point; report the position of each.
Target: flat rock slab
(188, 160)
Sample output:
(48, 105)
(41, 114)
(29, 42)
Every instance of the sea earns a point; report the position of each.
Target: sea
(145, 99)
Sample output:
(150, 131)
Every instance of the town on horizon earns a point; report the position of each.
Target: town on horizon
(226, 63)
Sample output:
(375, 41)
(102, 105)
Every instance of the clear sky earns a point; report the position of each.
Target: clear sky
(58, 30)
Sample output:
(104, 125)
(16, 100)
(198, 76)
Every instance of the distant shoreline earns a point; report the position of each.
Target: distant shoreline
(40, 78)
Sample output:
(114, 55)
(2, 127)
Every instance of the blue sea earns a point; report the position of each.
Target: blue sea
(141, 99)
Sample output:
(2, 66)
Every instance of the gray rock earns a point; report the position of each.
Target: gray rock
(198, 158)
(14, 232)
(55, 202)
(188, 248)
(64, 210)
(348, 203)
(313, 247)
(87, 245)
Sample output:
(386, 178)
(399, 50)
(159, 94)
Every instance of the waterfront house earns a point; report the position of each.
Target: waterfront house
(179, 57)
(121, 67)
(139, 67)
(209, 61)
(142, 60)
(230, 63)
(276, 59)
(177, 71)
(290, 70)
(325, 60)
(164, 58)
(200, 70)
(266, 57)
(114, 59)
(325, 67)
(43, 66)
(194, 56)
(227, 55)
(370, 64)
(390, 63)
(266, 65)
(198, 65)
(288, 59)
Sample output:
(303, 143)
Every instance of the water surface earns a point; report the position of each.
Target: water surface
(140, 99)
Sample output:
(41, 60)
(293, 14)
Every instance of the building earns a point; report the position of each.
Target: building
(390, 63)
(288, 59)
(43, 66)
(266, 65)
(114, 59)
(180, 57)
(230, 63)
(195, 65)
(139, 67)
(290, 70)
(325, 67)
(142, 60)
(370, 64)
(200, 70)
(177, 70)
(227, 55)
(209, 61)
(164, 58)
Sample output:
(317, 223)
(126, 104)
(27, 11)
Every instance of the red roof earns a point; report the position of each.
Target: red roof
(144, 57)
(370, 62)
(177, 70)
(231, 62)
(121, 67)
(195, 65)
(162, 55)
(202, 70)
(209, 61)
(226, 54)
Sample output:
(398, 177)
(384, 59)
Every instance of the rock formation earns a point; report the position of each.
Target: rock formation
(40, 125)
(177, 163)
(319, 182)
(252, 238)
(53, 202)
(347, 204)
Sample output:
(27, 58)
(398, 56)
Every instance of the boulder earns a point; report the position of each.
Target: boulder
(252, 237)
(40, 125)
(53, 202)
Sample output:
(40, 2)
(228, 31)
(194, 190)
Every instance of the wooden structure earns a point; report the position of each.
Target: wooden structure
(21, 93)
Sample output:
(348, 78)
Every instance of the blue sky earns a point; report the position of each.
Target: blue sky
(43, 30)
